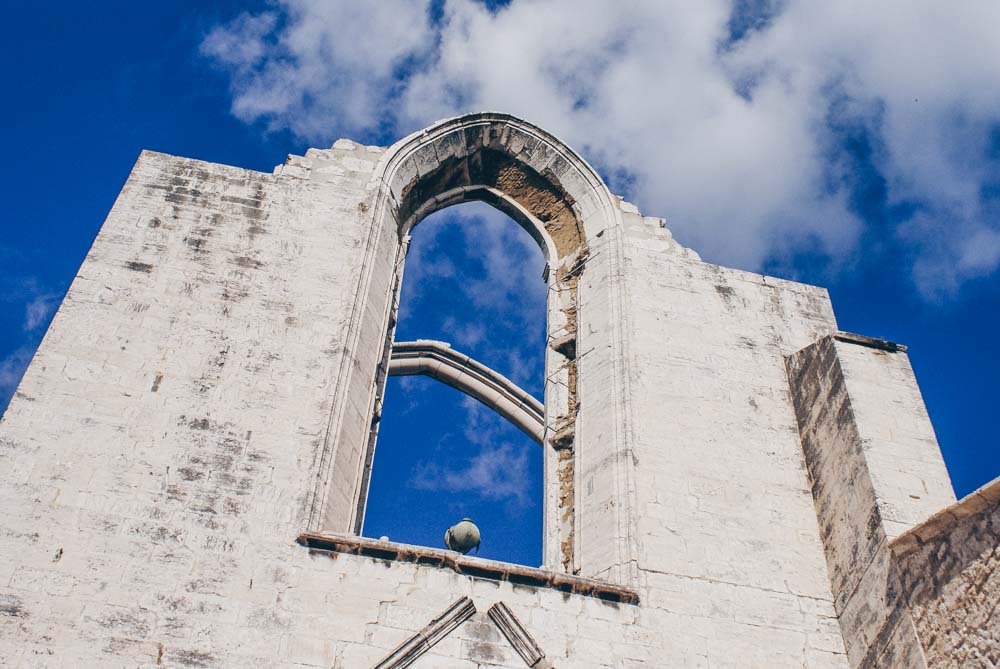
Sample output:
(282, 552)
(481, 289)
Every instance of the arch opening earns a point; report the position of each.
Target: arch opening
(567, 209)
(439, 455)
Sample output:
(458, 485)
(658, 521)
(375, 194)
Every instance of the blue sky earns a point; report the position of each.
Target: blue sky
(842, 144)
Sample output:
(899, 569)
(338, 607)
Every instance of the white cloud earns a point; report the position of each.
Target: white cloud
(464, 335)
(511, 261)
(11, 370)
(318, 63)
(39, 306)
(739, 139)
(495, 469)
(499, 473)
(493, 277)
(38, 311)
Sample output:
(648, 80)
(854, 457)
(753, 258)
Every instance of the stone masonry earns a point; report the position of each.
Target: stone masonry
(729, 480)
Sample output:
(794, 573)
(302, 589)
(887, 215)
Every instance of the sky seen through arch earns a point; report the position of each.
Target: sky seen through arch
(473, 278)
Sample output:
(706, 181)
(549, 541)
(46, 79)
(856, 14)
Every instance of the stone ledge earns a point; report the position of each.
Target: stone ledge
(467, 566)
(870, 342)
(980, 501)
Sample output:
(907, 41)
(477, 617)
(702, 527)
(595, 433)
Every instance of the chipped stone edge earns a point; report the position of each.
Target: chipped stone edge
(467, 566)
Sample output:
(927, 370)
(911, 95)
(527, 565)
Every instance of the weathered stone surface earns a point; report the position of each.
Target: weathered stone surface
(208, 391)
(874, 467)
(950, 575)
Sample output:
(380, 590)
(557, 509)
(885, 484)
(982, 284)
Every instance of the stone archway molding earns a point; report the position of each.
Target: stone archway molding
(439, 361)
(563, 203)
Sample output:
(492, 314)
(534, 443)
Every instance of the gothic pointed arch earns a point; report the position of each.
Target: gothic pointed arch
(562, 202)
(545, 186)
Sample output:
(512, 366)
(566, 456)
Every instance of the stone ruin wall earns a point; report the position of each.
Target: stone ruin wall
(950, 578)
(161, 456)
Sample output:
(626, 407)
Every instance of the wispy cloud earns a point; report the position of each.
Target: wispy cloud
(11, 370)
(38, 304)
(494, 469)
(759, 128)
(38, 311)
(317, 61)
(474, 278)
(467, 335)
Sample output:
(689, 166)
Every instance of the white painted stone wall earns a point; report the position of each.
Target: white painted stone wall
(908, 473)
(726, 528)
(162, 453)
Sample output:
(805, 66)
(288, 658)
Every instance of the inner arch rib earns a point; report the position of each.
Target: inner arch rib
(438, 360)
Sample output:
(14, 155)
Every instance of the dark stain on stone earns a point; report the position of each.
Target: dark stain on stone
(199, 424)
(231, 445)
(11, 607)
(188, 474)
(253, 213)
(196, 243)
(220, 359)
(126, 622)
(231, 507)
(233, 293)
(136, 266)
(727, 293)
(155, 222)
(204, 503)
(247, 263)
(249, 202)
(175, 493)
(193, 658)
(874, 523)
(480, 651)
(156, 383)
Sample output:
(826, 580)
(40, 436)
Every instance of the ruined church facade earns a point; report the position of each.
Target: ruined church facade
(730, 481)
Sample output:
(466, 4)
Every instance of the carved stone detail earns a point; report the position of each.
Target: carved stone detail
(518, 636)
(407, 652)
